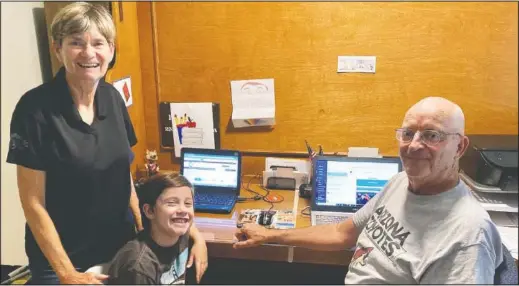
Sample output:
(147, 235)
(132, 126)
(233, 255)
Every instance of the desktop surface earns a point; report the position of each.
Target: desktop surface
(219, 237)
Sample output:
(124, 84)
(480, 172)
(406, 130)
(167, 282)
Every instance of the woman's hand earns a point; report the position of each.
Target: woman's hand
(199, 256)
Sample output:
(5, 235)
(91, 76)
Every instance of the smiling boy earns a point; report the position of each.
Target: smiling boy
(160, 253)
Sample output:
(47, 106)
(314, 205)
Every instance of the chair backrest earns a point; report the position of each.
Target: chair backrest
(507, 272)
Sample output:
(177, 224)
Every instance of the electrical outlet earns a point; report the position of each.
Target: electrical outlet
(363, 64)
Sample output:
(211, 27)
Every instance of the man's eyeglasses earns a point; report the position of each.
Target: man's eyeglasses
(429, 137)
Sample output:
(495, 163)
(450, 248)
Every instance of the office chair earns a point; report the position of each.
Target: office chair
(506, 272)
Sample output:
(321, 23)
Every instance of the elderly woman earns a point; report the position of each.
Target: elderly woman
(71, 140)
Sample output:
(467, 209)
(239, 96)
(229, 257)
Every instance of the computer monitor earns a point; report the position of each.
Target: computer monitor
(345, 184)
(211, 169)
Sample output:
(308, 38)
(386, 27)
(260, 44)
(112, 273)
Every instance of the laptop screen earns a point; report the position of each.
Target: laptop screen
(344, 183)
(214, 168)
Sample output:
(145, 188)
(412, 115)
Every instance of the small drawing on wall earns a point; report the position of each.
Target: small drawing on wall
(253, 102)
(193, 125)
(188, 134)
(124, 86)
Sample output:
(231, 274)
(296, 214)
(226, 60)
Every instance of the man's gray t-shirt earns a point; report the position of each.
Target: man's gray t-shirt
(439, 239)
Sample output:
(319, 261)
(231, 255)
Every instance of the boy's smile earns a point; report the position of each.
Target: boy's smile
(172, 215)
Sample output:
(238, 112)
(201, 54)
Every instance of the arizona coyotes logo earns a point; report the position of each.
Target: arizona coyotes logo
(360, 255)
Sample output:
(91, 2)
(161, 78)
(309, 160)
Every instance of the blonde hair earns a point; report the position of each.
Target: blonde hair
(79, 17)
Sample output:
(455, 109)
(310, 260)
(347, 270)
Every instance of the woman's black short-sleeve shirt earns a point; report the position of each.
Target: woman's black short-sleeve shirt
(87, 167)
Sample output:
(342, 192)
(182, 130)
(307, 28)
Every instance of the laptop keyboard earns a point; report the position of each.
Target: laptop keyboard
(328, 219)
(213, 199)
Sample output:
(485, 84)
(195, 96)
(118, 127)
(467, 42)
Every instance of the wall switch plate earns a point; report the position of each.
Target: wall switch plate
(363, 64)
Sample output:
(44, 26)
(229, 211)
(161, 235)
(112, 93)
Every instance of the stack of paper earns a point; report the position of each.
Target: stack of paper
(507, 227)
(497, 202)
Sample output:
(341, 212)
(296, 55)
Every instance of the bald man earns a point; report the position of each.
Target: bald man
(424, 227)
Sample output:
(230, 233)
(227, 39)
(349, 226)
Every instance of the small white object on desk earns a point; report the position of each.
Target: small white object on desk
(363, 152)
(300, 165)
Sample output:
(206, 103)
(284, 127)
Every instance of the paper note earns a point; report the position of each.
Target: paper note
(357, 64)
(124, 86)
(253, 102)
(509, 239)
(507, 226)
(192, 125)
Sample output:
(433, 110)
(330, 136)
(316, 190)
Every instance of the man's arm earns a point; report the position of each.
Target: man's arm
(31, 186)
(331, 237)
(322, 237)
(134, 206)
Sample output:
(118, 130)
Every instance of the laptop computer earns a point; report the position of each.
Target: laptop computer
(215, 174)
(342, 185)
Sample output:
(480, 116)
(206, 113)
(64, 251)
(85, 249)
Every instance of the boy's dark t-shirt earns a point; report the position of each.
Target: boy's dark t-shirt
(142, 261)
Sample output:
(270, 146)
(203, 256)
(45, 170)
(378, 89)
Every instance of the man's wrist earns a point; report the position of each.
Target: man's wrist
(275, 236)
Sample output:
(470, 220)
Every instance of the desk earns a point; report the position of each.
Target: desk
(222, 248)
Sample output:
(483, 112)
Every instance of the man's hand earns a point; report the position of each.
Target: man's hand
(199, 256)
(251, 234)
(79, 278)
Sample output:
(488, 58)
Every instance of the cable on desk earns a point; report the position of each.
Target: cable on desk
(257, 197)
(303, 211)
(268, 201)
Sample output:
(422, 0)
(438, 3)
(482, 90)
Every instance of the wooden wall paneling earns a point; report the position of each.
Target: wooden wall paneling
(148, 65)
(51, 8)
(466, 52)
(127, 63)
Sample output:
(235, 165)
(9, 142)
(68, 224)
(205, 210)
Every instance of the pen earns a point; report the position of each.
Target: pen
(309, 149)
